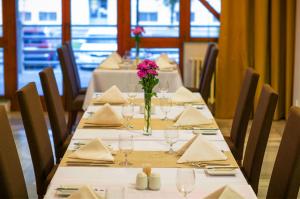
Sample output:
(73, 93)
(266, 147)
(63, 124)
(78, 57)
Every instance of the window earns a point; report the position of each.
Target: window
(203, 23)
(153, 53)
(192, 17)
(27, 16)
(93, 38)
(39, 40)
(148, 16)
(158, 17)
(47, 16)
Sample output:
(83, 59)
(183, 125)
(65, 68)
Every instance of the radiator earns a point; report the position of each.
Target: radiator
(192, 76)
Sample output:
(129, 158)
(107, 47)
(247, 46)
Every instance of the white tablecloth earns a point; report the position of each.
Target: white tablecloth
(101, 178)
(103, 79)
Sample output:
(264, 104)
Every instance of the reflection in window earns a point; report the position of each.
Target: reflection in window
(158, 17)
(203, 22)
(94, 33)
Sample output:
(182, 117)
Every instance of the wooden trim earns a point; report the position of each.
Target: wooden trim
(66, 20)
(1, 42)
(156, 43)
(204, 39)
(123, 24)
(211, 9)
(9, 41)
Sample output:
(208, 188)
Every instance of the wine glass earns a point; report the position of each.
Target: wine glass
(163, 87)
(185, 180)
(127, 113)
(165, 106)
(171, 137)
(125, 146)
(132, 92)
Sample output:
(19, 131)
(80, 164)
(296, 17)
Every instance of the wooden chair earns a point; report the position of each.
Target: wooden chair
(258, 137)
(208, 73)
(37, 137)
(285, 179)
(61, 135)
(68, 45)
(73, 99)
(241, 117)
(11, 174)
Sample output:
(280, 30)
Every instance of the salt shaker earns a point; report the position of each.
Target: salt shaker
(154, 182)
(141, 181)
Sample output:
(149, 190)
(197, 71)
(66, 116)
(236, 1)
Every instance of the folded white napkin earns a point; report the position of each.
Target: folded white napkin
(113, 95)
(94, 150)
(163, 62)
(116, 57)
(224, 192)
(184, 95)
(192, 117)
(85, 192)
(106, 116)
(201, 150)
(111, 62)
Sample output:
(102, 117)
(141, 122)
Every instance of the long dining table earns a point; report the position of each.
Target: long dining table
(101, 178)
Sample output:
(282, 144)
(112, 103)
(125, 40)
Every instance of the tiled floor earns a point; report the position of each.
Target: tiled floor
(225, 126)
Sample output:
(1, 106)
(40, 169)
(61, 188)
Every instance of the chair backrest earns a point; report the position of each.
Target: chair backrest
(285, 179)
(242, 112)
(55, 111)
(209, 71)
(259, 134)
(37, 134)
(11, 174)
(69, 79)
(205, 64)
(73, 60)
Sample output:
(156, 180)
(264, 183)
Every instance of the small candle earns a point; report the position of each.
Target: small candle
(147, 169)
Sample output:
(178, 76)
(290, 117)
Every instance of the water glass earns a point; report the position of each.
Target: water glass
(127, 113)
(171, 137)
(185, 181)
(165, 106)
(125, 146)
(163, 87)
(132, 92)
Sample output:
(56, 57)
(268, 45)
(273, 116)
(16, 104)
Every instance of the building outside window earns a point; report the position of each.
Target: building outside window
(47, 16)
(148, 16)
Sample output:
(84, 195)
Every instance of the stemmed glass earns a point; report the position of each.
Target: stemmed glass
(185, 180)
(132, 92)
(125, 146)
(127, 113)
(165, 106)
(163, 87)
(171, 137)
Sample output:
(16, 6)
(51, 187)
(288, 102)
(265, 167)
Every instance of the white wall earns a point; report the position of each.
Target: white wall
(296, 100)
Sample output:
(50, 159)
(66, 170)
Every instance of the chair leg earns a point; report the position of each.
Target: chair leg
(71, 120)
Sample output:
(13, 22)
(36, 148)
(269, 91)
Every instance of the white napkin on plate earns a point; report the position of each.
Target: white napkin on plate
(84, 192)
(184, 95)
(111, 62)
(94, 150)
(105, 116)
(163, 62)
(201, 150)
(112, 95)
(224, 192)
(192, 117)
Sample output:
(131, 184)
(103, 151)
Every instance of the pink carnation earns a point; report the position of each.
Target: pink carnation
(152, 72)
(141, 74)
(138, 30)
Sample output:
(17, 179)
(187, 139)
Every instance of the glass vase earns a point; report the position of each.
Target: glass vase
(147, 114)
(137, 50)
